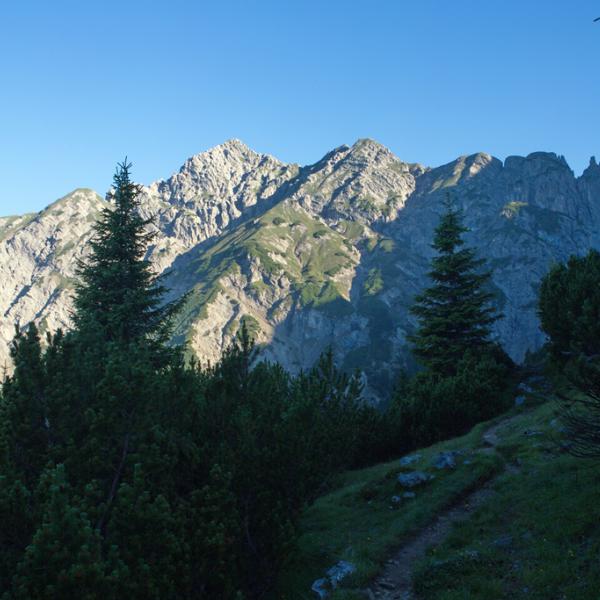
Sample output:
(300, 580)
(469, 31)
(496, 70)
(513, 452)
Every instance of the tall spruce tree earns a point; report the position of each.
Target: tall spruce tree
(121, 326)
(455, 312)
(118, 297)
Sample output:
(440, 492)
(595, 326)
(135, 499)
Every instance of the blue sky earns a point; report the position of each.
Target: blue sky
(84, 83)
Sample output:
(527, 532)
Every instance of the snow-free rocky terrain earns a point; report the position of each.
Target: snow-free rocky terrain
(328, 254)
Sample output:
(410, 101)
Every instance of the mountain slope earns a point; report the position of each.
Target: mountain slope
(328, 254)
(38, 258)
(495, 523)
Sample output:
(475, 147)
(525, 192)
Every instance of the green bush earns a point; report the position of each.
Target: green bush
(431, 407)
(569, 307)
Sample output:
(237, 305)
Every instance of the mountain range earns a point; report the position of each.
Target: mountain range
(330, 254)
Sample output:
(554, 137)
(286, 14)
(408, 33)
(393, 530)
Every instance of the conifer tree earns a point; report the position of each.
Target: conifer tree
(569, 307)
(454, 313)
(118, 298)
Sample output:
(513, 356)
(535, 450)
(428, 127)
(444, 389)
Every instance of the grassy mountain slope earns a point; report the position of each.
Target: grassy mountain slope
(285, 260)
(527, 539)
(537, 537)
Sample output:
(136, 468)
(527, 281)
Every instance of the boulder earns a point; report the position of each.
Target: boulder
(445, 460)
(405, 461)
(414, 478)
(323, 586)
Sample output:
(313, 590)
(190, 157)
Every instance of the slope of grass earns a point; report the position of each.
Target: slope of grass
(286, 240)
(537, 537)
(359, 522)
(10, 225)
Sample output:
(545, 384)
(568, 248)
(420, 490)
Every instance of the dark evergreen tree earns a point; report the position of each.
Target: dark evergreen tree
(116, 354)
(103, 399)
(25, 408)
(64, 558)
(118, 297)
(24, 448)
(455, 313)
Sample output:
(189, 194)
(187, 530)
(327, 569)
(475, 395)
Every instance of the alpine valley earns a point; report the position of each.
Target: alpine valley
(330, 254)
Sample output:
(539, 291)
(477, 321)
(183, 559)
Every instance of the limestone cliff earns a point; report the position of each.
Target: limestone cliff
(328, 254)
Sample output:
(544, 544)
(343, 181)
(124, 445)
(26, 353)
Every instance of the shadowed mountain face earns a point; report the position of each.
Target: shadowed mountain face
(328, 254)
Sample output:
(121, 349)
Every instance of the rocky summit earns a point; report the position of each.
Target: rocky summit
(330, 254)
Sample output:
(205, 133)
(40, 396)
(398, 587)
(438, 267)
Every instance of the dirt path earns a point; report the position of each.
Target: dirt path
(395, 583)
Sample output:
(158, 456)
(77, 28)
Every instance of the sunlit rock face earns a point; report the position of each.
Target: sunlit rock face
(330, 254)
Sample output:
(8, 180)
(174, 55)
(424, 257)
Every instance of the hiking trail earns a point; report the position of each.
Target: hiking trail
(395, 582)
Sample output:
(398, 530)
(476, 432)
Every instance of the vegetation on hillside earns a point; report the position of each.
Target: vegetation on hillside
(534, 536)
(365, 517)
(570, 315)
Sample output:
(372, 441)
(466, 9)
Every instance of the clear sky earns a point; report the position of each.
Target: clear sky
(82, 84)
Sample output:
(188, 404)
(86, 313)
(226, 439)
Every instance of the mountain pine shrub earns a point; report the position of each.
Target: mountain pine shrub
(569, 309)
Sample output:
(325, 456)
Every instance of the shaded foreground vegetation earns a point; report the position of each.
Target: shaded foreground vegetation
(536, 536)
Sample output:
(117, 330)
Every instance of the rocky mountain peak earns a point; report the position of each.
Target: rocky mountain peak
(227, 155)
(369, 149)
(79, 199)
(592, 170)
(467, 170)
(234, 145)
(217, 170)
(369, 154)
(537, 163)
(480, 163)
(211, 190)
(331, 253)
(364, 182)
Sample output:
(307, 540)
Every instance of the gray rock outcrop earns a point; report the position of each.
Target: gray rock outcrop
(328, 254)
